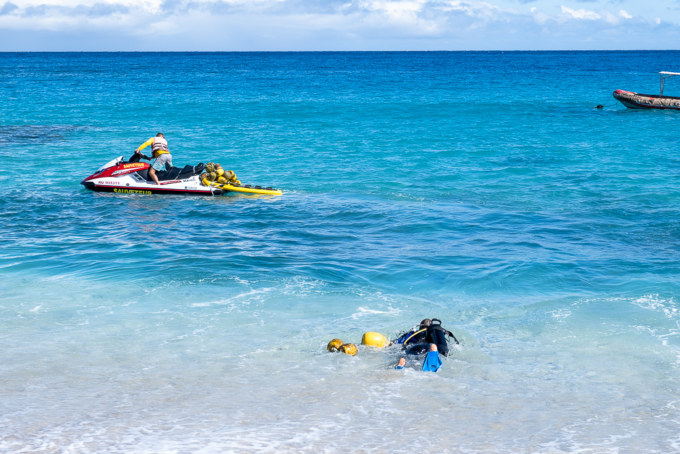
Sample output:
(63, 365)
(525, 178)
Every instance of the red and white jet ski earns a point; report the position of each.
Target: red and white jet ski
(125, 177)
(132, 177)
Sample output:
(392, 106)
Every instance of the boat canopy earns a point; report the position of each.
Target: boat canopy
(663, 75)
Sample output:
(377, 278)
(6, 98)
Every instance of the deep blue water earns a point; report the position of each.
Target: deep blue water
(482, 188)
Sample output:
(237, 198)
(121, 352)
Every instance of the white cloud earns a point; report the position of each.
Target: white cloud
(410, 16)
(328, 25)
(475, 9)
(582, 14)
(539, 16)
(396, 10)
(27, 4)
(623, 13)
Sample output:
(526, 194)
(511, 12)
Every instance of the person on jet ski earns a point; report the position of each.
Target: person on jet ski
(160, 154)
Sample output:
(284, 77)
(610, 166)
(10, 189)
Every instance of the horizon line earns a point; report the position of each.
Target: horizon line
(329, 51)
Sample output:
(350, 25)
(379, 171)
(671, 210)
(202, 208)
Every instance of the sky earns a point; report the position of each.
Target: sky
(337, 25)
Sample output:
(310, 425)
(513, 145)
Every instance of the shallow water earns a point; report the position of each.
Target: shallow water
(480, 188)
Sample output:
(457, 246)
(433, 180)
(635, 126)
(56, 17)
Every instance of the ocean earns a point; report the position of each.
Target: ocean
(484, 189)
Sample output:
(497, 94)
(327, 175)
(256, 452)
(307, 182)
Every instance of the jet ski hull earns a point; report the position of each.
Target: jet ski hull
(148, 189)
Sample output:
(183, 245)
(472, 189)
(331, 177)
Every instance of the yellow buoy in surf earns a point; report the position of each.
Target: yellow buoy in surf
(349, 349)
(373, 339)
(334, 345)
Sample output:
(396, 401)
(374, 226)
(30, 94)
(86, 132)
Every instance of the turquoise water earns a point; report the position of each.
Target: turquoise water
(482, 188)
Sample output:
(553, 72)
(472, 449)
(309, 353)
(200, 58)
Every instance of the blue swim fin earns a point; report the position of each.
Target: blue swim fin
(432, 362)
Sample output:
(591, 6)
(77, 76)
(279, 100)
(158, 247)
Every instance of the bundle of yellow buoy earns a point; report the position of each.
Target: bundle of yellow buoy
(215, 175)
(371, 339)
(226, 180)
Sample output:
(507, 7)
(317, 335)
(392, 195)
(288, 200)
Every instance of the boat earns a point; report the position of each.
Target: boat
(132, 177)
(634, 100)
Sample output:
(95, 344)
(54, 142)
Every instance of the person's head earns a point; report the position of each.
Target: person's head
(160, 134)
(433, 347)
(425, 323)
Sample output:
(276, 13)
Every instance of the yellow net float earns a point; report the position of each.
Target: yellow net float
(348, 349)
(226, 180)
(373, 339)
(215, 172)
(334, 345)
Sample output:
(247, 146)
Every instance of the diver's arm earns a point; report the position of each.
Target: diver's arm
(451, 334)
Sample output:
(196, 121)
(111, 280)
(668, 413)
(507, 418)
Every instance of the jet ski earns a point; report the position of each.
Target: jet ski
(132, 177)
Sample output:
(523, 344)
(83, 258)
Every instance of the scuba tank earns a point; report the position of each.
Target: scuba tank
(437, 335)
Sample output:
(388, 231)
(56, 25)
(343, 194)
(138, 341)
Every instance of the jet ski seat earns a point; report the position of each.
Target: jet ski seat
(175, 173)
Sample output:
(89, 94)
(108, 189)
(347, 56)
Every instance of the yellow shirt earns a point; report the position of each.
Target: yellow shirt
(158, 151)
